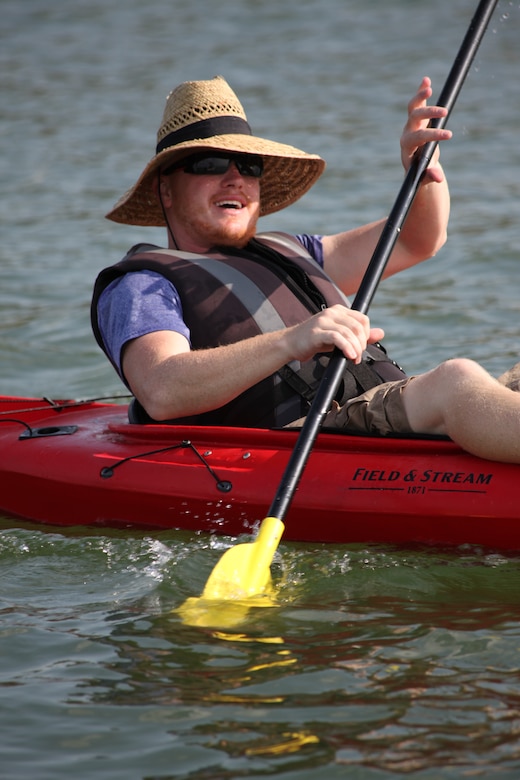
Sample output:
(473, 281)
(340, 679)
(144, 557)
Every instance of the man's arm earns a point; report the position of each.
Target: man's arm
(346, 255)
(170, 380)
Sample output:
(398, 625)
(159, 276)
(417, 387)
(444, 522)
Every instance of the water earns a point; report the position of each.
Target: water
(379, 662)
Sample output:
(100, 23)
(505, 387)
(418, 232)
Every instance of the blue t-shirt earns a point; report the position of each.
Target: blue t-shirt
(145, 301)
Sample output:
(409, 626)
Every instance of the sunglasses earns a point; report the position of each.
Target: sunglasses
(218, 164)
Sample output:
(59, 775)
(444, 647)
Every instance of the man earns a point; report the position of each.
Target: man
(231, 327)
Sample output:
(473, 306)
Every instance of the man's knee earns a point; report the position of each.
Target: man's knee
(451, 373)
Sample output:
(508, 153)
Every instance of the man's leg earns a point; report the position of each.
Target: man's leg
(461, 400)
(511, 378)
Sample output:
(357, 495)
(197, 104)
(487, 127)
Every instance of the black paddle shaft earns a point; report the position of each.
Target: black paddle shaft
(334, 372)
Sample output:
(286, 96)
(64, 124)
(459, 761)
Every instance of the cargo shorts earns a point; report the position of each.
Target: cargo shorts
(379, 410)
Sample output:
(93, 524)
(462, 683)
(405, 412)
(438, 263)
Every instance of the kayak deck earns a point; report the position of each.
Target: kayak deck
(69, 463)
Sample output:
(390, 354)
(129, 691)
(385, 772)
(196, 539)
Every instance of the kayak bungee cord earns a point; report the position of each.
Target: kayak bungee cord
(223, 485)
(57, 406)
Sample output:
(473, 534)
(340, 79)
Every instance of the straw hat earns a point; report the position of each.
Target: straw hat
(202, 115)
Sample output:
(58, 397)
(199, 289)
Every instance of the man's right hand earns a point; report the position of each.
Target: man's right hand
(337, 326)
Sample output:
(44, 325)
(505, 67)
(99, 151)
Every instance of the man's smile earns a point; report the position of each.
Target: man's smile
(229, 204)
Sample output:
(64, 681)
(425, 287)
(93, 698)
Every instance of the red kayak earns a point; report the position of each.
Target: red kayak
(69, 463)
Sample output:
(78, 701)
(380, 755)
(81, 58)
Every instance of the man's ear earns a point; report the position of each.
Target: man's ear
(162, 189)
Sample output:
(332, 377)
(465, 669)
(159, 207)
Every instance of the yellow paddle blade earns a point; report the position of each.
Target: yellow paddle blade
(219, 614)
(240, 581)
(245, 570)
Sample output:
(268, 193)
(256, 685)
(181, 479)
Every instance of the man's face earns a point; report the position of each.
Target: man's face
(211, 210)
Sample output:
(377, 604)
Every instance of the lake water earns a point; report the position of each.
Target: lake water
(380, 662)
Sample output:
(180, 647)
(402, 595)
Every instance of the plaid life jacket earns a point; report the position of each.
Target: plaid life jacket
(233, 294)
